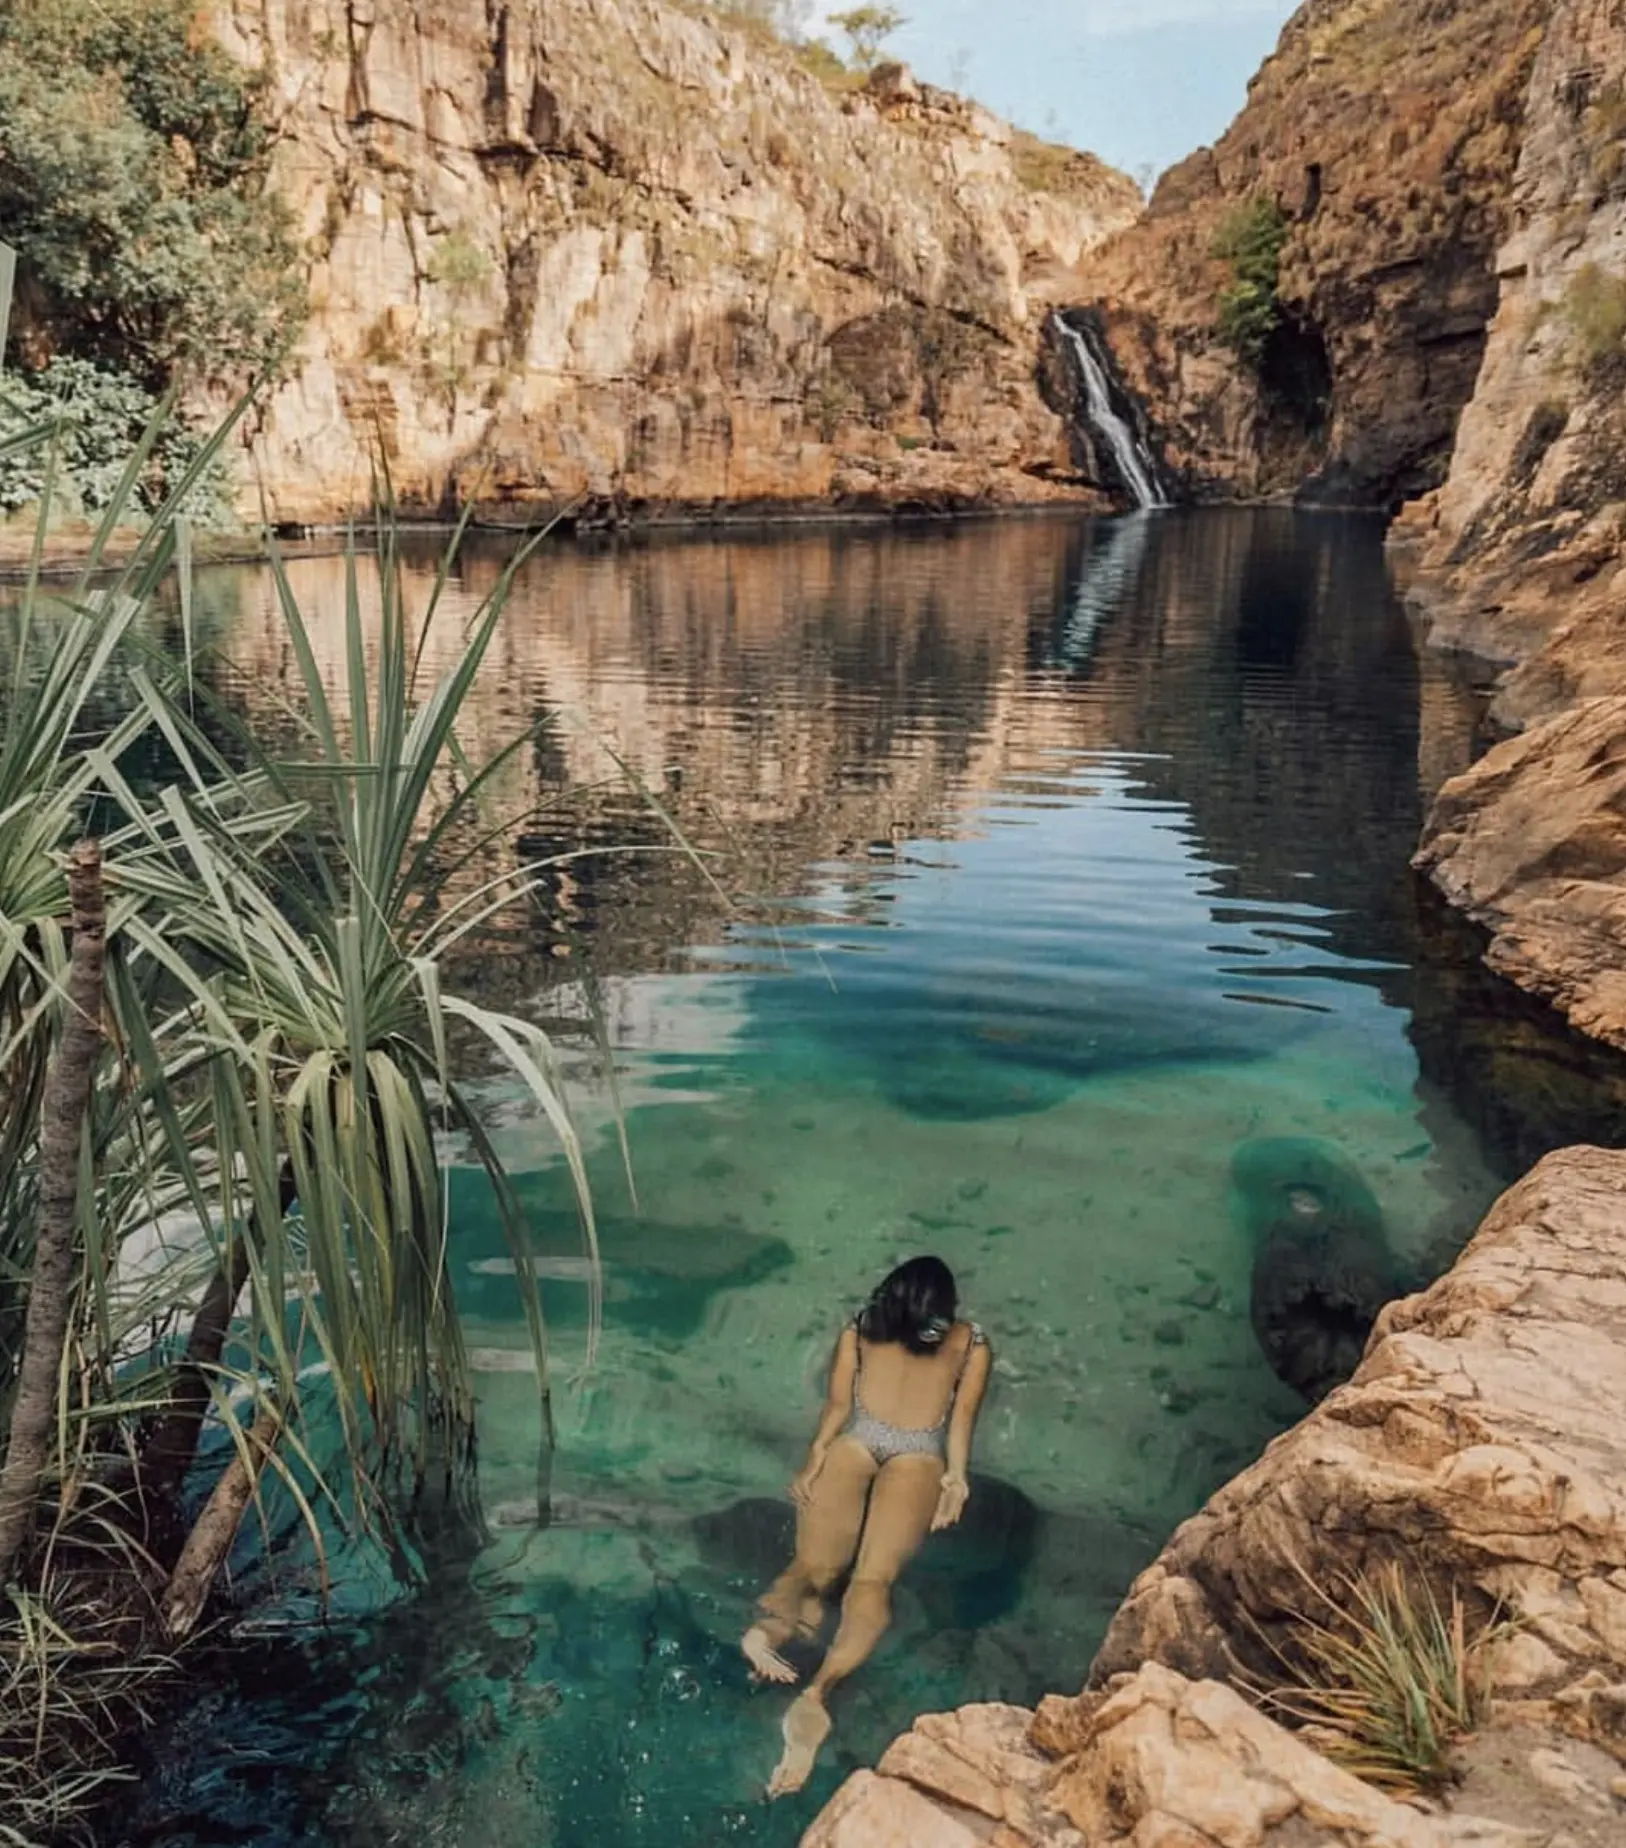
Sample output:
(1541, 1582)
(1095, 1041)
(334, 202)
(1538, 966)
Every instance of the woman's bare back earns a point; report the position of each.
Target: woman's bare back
(912, 1391)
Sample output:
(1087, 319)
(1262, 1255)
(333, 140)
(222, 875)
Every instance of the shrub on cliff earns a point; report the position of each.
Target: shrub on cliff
(133, 162)
(1250, 239)
(1595, 308)
(867, 28)
(786, 20)
(786, 23)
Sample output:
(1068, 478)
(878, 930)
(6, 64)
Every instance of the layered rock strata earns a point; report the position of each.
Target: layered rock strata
(610, 249)
(1479, 1443)
(1385, 132)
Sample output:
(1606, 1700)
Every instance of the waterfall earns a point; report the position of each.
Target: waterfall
(1137, 468)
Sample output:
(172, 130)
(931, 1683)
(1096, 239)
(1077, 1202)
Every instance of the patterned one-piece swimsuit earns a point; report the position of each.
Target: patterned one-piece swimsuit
(884, 1441)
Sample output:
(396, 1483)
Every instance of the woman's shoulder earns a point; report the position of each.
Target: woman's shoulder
(973, 1334)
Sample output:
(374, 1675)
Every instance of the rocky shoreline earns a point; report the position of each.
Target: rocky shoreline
(1479, 1441)
(1521, 556)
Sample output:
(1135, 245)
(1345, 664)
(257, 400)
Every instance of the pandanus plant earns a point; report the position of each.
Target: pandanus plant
(62, 649)
(241, 1026)
(317, 1005)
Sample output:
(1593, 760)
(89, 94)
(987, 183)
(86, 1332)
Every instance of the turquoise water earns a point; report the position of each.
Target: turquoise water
(1052, 865)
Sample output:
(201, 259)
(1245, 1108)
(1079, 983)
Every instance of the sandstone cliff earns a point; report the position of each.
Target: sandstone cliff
(1520, 555)
(1479, 1441)
(1386, 131)
(608, 248)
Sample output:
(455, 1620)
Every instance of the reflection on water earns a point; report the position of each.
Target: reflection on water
(1032, 871)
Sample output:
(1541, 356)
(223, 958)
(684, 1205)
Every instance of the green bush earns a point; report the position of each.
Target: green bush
(781, 19)
(1250, 239)
(1595, 307)
(103, 415)
(133, 168)
(816, 56)
(867, 28)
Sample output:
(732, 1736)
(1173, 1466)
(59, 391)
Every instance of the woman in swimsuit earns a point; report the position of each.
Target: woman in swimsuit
(886, 1467)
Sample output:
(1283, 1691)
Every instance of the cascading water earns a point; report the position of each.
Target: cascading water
(1137, 468)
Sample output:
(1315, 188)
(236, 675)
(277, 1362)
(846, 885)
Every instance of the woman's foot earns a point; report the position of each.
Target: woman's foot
(806, 1727)
(767, 1664)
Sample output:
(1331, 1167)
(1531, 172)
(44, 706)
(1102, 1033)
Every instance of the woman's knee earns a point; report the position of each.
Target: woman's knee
(823, 1574)
(868, 1594)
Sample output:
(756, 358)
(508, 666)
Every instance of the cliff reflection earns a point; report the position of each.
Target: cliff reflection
(793, 702)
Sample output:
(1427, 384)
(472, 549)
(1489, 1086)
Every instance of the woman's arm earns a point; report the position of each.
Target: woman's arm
(956, 1490)
(838, 1403)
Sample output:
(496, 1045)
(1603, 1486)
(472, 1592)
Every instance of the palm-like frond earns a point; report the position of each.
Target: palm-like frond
(314, 970)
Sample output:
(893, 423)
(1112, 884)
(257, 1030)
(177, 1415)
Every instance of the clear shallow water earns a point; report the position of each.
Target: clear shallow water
(1061, 861)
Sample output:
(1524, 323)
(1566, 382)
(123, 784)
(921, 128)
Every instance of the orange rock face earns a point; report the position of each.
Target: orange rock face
(1520, 554)
(608, 249)
(1386, 133)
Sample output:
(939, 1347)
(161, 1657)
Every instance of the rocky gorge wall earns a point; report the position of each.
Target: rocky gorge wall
(1386, 132)
(611, 249)
(1520, 556)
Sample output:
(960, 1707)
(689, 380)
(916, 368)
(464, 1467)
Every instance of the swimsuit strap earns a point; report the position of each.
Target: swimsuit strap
(978, 1339)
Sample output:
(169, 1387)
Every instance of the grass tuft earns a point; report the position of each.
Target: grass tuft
(1595, 308)
(71, 1689)
(1390, 1680)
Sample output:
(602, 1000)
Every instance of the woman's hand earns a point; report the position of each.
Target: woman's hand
(952, 1497)
(801, 1484)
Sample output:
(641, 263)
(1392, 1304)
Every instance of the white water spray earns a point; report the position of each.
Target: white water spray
(1136, 468)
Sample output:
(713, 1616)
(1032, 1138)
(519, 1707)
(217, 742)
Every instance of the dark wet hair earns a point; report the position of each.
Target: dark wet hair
(915, 1305)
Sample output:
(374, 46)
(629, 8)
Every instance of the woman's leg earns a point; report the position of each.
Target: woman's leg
(827, 1531)
(901, 1506)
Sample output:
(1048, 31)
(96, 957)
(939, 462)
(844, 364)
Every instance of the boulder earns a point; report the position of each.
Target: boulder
(1160, 1762)
(1322, 1269)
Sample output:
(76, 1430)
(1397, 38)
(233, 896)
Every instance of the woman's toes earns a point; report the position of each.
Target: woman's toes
(766, 1661)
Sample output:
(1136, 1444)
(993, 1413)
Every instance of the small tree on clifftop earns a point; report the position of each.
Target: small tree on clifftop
(867, 27)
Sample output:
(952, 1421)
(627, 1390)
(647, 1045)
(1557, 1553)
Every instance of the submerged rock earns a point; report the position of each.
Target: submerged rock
(995, 1539)
(1480, 1440)
(659, 1276)
(1322, 1268)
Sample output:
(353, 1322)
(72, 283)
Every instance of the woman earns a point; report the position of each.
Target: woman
(886, 1467)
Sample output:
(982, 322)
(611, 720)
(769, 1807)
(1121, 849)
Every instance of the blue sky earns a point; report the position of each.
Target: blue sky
(1140, 82)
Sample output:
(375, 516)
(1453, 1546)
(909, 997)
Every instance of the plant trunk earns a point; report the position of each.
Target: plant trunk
(172, 1440)
(215, 1530)
(63, 1105)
